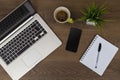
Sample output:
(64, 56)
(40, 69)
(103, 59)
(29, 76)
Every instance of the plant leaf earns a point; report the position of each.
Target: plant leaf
(70, 20)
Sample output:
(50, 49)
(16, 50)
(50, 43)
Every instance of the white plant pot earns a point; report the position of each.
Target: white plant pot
(92, 23)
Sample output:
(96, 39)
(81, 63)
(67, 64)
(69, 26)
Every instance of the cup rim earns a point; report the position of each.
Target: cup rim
(64, 9)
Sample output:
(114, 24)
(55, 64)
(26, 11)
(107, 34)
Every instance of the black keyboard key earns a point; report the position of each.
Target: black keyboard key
(7, 62)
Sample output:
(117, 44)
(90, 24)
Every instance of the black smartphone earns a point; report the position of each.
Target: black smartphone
(73, 39)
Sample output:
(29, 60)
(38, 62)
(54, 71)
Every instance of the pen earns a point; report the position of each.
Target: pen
(99, 49)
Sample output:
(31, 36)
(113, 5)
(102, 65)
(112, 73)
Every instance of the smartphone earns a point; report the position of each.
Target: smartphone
(73, 39)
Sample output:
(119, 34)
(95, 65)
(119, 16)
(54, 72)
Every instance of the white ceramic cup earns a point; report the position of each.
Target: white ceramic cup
(64, 9)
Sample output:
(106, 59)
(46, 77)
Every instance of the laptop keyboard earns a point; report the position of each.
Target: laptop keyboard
(22, 41)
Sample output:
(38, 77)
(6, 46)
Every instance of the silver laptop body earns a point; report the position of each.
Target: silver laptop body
(26, 45)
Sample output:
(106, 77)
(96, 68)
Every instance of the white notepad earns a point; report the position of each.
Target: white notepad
(99, 55)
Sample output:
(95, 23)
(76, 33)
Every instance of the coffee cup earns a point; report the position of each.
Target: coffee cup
(61, 14)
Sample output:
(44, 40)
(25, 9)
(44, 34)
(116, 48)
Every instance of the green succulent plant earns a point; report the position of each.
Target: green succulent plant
(92, 13)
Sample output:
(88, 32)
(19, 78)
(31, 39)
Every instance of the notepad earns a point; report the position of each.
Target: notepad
(98, 55)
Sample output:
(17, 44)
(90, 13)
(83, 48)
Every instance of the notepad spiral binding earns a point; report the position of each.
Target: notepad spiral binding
(89, 48)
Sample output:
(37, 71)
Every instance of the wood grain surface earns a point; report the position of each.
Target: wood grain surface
(62, 64)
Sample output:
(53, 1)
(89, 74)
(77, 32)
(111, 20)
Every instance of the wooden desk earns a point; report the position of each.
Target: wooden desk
(62, 64)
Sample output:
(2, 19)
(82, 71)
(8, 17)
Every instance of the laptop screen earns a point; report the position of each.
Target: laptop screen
(14, 19)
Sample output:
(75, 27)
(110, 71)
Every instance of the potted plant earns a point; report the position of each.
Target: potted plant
(92, 15)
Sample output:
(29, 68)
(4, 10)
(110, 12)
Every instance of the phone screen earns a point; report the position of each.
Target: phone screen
(73, 39)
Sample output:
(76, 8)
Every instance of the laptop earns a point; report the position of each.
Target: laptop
(25, 40)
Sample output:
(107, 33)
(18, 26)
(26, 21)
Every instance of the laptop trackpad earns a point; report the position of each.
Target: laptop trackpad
(31, 58)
